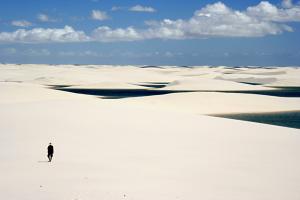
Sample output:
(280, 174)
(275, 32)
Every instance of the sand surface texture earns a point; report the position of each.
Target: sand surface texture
(158, 147)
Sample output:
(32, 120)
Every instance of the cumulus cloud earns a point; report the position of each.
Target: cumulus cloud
(266, 11)
(99, 15)
(139, 8)
(38, 35)
(44, 18)
(218, 20)
(21, 23)
(213, 20)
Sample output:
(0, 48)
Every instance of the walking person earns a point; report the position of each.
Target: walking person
(50, 152)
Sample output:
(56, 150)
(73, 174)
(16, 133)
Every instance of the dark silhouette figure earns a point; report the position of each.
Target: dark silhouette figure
(50, 152)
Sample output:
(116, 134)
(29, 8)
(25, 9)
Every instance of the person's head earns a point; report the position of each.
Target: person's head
(50, 143)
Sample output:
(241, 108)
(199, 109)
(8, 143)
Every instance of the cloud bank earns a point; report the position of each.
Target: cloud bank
(41, 35)
(213, 20)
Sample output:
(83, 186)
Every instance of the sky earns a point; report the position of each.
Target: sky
(141, 32)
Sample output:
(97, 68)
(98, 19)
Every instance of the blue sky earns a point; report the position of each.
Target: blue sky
(169, 32)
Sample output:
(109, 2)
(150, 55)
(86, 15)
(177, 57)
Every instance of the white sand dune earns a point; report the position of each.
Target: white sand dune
(155, 147)
(287, 77)
(241, 78)
(12, 93)
(194, 84)
(108, 85)
(218, 103)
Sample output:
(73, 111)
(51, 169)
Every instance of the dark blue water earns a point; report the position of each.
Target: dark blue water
(286, 119)
(126, 93)
(279, 92)
(119, 93)
(154, 84)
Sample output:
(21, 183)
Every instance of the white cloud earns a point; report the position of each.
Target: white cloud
(8, 51)
(266, 11)
(27, 52)
(116, 8)
(67, 53)
(41, 35)
(86, 53)
(99, 15)
(169, 54)
(106, 34)
(21, 23)
(139, 8)
(36, 52)
(89, 53)
(287, 3)
(218, 20)
(44, 18)
(213, 20)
